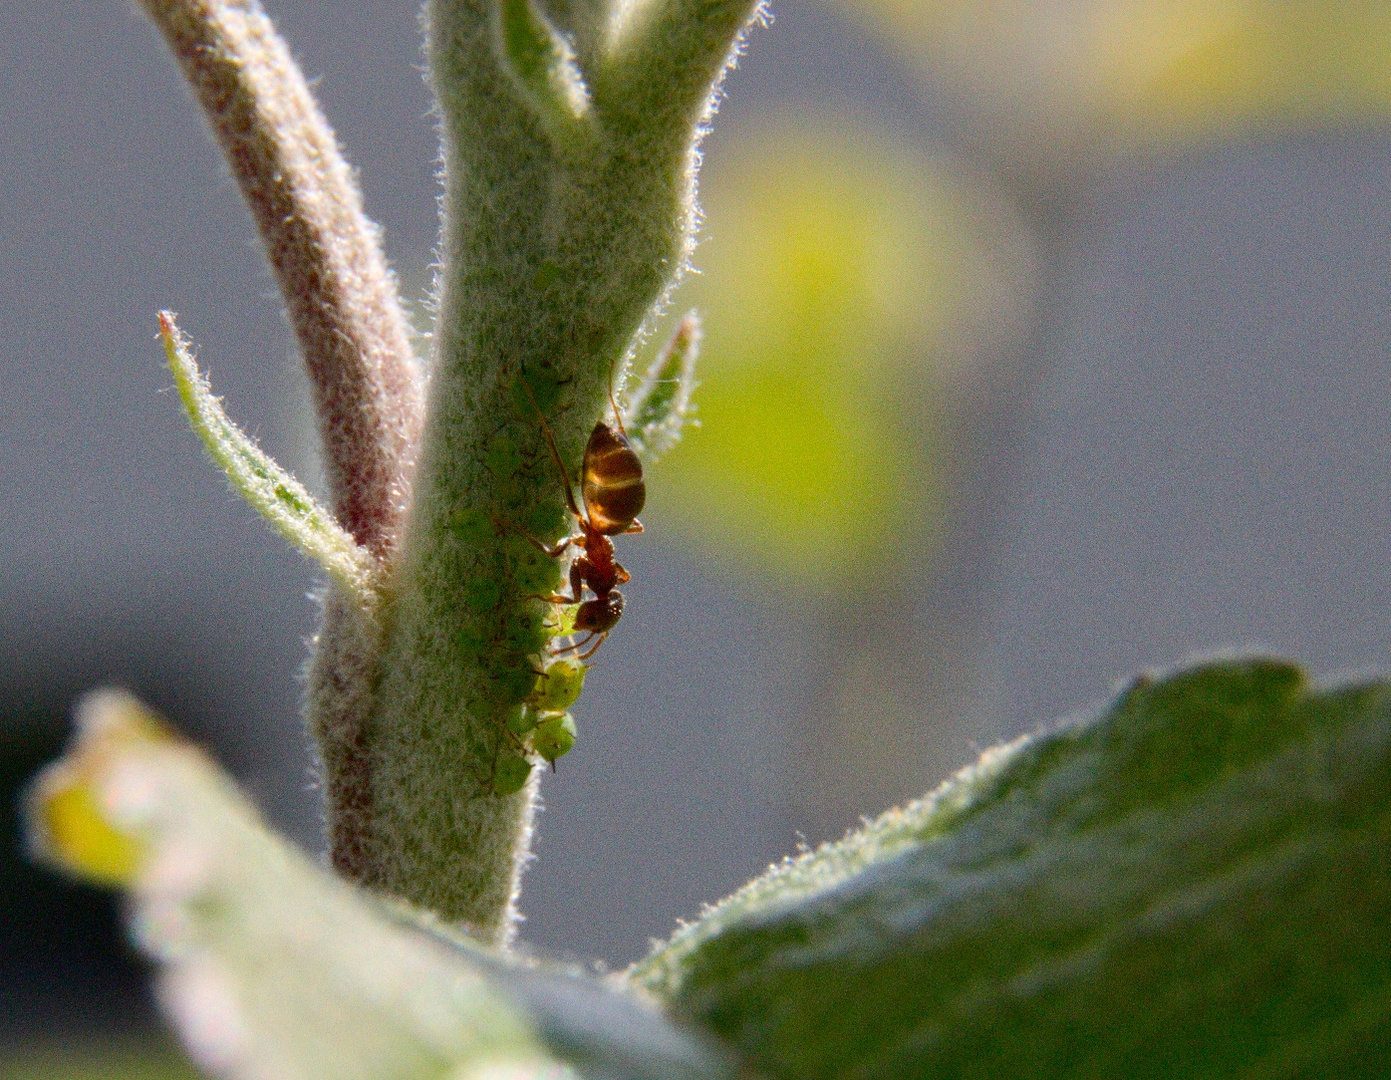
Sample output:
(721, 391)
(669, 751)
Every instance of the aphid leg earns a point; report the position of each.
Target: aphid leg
(509, 736)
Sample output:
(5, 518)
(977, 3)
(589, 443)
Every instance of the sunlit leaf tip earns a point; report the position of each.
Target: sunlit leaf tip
(69, 823)
(660, 405)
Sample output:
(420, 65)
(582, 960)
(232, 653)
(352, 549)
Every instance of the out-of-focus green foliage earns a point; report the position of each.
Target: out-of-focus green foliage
(271, 966)
(1142, 72)
(1196, 883)
(832, 263)
(96, 1061)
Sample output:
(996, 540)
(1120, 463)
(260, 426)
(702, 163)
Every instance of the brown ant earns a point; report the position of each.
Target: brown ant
(614, 493)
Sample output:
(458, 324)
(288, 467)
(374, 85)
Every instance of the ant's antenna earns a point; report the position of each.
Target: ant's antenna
(555, 450)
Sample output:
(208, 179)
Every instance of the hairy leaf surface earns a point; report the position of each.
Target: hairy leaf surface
(1195, 883)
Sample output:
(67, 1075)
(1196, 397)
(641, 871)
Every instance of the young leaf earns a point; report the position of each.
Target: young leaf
(1195, 883)
(278, 496)
(269, 966)
(543, 63)
(656, 410)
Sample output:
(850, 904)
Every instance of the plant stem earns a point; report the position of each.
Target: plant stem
(569, 209)
(342, 303)
(568, 213)
(325, 253)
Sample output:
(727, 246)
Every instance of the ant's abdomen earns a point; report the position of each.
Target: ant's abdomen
(612, 485)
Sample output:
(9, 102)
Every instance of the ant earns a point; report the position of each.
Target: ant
(614, 493)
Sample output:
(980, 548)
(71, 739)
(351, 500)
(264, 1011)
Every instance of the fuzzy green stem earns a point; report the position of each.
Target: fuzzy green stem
(568, 214)
(558, 242)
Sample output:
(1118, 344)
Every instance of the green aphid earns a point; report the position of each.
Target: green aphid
(544, 387)
(561, 621)
(547, 519)
(472, 526)
(525, 648)
(559, 686)
(510, 773)
(534, 572)
(482, 594)
(503, 458)
(516, 682)
(521, 719)
(471, 637)
(554, 737)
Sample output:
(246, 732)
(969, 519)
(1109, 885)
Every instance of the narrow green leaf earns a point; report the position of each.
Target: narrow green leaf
(657, 409)
(274, 493)
(664, 57)
(544, 64)
(340, 296)
(1196, 883)
(270, 966)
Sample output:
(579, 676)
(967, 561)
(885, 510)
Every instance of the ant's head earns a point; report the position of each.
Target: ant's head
(600, 615)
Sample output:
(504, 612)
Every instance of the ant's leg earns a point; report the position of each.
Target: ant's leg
(595, 648)
(559, 549)
(555, 450)
(590, 636)
(576, 592)
(622, 576)
(617, 415)
(635, 527)
(554, 552)
(579, 569)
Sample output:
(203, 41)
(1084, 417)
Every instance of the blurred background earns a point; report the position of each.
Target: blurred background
(1045, 341)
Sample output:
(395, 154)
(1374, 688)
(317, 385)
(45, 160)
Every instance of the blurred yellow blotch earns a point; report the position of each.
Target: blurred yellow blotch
(69, 827)
(1144, 72)
(832, 259)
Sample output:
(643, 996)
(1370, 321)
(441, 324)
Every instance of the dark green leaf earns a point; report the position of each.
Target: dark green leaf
(1196, 883)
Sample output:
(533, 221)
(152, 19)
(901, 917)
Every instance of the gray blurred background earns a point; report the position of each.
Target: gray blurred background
(1015, 384)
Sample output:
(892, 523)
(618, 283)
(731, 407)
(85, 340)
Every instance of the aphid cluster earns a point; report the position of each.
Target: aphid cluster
(540, 726)
(613, 492)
